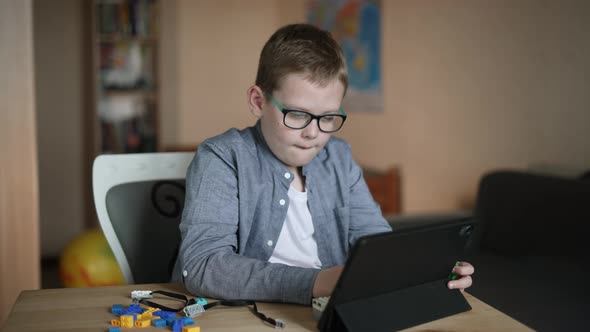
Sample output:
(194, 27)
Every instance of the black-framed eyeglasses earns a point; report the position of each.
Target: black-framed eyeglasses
(296, 119)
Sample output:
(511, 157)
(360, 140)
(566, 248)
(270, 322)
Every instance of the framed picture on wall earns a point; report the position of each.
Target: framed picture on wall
(356, 25)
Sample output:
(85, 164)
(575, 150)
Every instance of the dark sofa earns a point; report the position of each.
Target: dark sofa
(530, 248)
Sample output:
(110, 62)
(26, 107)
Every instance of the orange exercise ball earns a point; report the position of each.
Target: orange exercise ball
(88, 261)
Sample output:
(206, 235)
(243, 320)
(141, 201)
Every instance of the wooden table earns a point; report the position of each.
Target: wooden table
(88, 309)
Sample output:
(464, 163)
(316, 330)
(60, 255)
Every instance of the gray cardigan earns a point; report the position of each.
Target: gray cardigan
(236, 203)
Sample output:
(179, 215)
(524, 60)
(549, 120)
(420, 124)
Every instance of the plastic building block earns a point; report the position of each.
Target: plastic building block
(116, 322)
(164, 314)
(114, 329)
(143, 322)
(201, 301)
(133, 312)
(158, 322)
(319, 304)
(117, 309)
(193, 310)
(127, 320)
(177, 325)
(170, 321)
(148, 313)
(141, 294)
(135, 308)
(188, 321)
(193, 328)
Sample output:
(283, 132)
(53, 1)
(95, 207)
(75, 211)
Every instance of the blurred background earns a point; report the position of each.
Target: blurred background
(468, 87)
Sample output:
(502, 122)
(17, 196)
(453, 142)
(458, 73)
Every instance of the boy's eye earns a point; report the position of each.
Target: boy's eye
(297, 115)
(328, 118)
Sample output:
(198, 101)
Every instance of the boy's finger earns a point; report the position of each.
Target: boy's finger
(464, 264)
(464, 269)
(461, 283)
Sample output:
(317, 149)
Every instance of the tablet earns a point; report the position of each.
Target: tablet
(409, 265)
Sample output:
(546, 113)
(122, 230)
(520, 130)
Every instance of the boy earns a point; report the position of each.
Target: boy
(272, 210)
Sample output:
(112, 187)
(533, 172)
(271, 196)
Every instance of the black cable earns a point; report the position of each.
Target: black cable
(277, 323)
(163, 307)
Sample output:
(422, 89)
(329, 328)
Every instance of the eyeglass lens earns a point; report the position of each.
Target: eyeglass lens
(299, 120)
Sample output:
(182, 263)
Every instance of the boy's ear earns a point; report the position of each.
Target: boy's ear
(256, 100)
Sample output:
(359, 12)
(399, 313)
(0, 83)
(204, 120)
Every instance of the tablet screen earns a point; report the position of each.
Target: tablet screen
(387, 262)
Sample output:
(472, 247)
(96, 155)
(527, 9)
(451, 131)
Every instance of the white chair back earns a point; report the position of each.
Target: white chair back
(139, 200)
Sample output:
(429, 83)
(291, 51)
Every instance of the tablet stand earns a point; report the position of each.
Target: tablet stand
(399, 309)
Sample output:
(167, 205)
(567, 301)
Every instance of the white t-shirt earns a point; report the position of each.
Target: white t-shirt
(296, 245)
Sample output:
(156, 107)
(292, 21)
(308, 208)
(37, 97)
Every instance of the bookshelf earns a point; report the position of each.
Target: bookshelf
(125, 105)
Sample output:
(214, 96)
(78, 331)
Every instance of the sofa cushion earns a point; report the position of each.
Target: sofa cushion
(523, 213)
(547, 293)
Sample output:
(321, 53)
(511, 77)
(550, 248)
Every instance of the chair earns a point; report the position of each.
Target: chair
(139, 200)
(385, 188)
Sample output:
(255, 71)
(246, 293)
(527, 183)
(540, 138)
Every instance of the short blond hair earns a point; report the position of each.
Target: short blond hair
(301, 48)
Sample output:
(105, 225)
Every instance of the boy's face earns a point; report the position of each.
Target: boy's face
(297, 147)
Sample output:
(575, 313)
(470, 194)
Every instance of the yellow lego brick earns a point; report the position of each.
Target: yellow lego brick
(191, 328)
(149, 312)
(143, 322)
(147, 307)
(116, 322)
(127, 321)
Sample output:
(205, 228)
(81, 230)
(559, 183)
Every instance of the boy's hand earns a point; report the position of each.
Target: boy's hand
(464, 271)
(326, 280)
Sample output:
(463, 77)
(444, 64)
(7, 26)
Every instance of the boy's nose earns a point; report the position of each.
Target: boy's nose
(312, 129)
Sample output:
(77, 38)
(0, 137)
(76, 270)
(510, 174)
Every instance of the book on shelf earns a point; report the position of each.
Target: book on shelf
(129, 133)
(125, 46)
(126, 65)
(128, 18)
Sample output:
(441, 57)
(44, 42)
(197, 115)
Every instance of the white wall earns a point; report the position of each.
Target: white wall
(209, 55)
(469, 86)
(476, 85)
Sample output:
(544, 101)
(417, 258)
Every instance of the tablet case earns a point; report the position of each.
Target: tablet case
(401, 304)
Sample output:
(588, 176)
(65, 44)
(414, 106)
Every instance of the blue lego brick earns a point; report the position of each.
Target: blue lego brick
(164, 314)
(177, 325)
(117, 309)
(129, 312)
(170, 321)
(114, 329)
(188, 321)
(158, 322)
(201, 301)
(135, 308)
